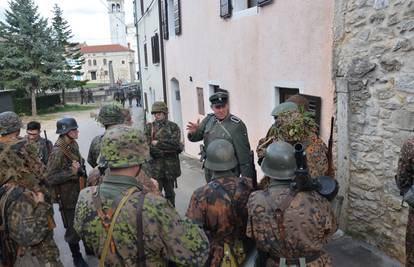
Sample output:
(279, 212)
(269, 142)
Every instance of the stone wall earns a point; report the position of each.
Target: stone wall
(373, 70)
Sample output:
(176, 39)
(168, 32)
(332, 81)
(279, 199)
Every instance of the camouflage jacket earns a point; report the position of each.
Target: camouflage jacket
(309, 222)
(60, 175)
(164, 155)
(94, 151)
(44, 147)
(233, 130)
(167, 237)
(220, 207)
(405, 173)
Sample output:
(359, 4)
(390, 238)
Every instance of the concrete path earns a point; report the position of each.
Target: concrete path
(345, 251)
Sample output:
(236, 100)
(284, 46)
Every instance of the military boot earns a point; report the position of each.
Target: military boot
(78, 261)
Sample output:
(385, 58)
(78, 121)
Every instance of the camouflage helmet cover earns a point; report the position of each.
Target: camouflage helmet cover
(279, 161)
(295, 126)
(159, 106)
(9, 122)
(283, 107)
(220, 156)
(123, 147)
(110, 115)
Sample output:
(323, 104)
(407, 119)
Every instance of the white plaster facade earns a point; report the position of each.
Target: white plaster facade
(118, 28)
(250, 54)
(151, 73)
(97, 58)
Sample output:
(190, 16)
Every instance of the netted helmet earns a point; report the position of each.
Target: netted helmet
(65, 125)
(283, 107)
(124, 146)
(110, 115)
(279, 161)
(220, 156)
(159, 106)
(9, 122)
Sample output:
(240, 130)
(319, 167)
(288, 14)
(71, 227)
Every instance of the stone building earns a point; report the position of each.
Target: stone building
(98, 59)
(373, 71)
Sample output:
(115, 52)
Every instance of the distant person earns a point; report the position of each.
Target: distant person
(130, 95)
(122, 97)
(138, 96)
(82, 95)
(44, 146)
(90, 96)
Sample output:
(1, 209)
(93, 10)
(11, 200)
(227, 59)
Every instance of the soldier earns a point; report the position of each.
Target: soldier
(109, 116)
(130, 95)
(220, 206)
(290, 226)
(27, 213)
(90, 96)
(122, 98)
(223, 125)
(164, 142)
(404, 179)
(82, 95)
(138, 96)
(148, 231)
(44, 146)
(66, 174)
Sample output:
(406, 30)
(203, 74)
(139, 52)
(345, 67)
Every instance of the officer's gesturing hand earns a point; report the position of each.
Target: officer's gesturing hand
(192, 127)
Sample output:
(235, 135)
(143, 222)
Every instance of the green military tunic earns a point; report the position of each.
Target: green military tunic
(167, 237)
(232, 129)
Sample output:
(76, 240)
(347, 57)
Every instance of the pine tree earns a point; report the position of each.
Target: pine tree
(27, 61)
(70, 57)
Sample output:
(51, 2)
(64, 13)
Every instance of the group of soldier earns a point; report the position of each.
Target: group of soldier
(122, 94)
(86, 96)
(124, 212)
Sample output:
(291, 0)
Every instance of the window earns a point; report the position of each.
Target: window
(285, 93)
(164, 19)
(93, 75)
(118, 7)
(94, 62)
(225, 8)
(170, 18)
(89, 62)
(113, 7)
(251, 3)
(123, 61)
(106, 73)
(200, 98)
(177, 16)
(145, 56)
(146, 101)
(263, 2)
(142, 7)
(155, 49)
(104, 61)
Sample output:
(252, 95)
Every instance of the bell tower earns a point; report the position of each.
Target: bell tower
(116, 10)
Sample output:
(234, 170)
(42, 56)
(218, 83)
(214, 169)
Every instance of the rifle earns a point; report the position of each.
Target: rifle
(254, 178)
(331, 171)
(47, 141)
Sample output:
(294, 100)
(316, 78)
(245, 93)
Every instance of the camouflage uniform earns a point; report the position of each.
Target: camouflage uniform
(309, 222)
(220, 207)
(165, 163)
(44, 147)
(167, 237)
(29, 224)
(404, 181)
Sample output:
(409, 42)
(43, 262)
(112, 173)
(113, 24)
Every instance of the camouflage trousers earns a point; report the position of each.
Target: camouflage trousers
(167, 183)
(71, 237)
(409, 239)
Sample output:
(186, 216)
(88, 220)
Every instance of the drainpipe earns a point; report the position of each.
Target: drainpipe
(164, 86)
(138, 49)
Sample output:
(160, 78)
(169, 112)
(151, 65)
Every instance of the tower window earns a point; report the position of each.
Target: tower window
(104, 61)
(118, 7)
(89, 62)
(113, 7)
(123, 61)
(94, 62)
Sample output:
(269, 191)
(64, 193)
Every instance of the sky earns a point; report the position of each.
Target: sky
(88, 19)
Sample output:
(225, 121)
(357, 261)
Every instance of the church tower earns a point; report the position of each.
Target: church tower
(117, 24)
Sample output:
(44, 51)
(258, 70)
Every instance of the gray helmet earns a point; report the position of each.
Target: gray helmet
(283, 107)
(220, 156)
(9, 122)
(65, 125)
(279, 161)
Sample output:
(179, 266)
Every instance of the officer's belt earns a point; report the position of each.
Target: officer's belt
(296, 261)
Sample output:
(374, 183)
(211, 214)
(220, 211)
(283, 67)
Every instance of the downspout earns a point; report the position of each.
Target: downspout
(164, 86)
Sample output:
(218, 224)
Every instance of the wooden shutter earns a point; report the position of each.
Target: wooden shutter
(315, 106)
(200, 98)
(155, 49)
(164, 19)
(177, 16)
(263, 2)
(225, 8)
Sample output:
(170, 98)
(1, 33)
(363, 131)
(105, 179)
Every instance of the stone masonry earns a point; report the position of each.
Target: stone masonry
(373, 70)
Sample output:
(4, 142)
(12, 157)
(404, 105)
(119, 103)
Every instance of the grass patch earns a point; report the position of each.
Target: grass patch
(66, 108)
(94, 85)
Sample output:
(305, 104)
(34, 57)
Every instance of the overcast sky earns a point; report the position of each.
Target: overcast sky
(88, 18)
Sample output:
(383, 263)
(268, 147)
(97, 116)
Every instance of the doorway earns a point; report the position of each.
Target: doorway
(176, 105)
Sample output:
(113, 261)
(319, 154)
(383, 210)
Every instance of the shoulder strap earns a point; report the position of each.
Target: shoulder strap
(140, 231)
(111, 227)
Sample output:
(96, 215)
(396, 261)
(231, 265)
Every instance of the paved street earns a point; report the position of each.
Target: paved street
(346, 252)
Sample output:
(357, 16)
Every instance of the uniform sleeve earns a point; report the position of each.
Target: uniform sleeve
(243, 153)
(172, 142)
(179, 240)
(405, 172)
(196, 209)
(199, 134)
(28, 221)
(58, 171)
(93, 153)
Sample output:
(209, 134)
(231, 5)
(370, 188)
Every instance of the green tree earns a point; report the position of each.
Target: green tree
(70, 57)
(27, 62)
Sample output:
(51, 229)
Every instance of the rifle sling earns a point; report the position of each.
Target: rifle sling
(140, 232)
(67, 153)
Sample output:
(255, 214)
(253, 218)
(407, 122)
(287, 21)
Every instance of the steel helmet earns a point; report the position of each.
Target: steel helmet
(65, 125)
(220, 156)
(159, 106)
(9, 123)
(279, 161)
(283, 107)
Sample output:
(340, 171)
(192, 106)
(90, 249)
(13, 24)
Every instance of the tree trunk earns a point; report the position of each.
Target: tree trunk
(33, 96)
(63, 97)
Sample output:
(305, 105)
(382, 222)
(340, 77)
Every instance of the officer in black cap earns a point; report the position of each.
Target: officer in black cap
(66, 174)
(223, 125)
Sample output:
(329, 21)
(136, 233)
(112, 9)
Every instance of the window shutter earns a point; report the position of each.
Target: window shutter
(225, 8)
(263, 2)
(155, 49)
(200, 98)
(145, 56)
(177, 16)
(164, 19)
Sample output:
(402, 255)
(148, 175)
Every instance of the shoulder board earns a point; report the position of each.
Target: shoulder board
(235, 119)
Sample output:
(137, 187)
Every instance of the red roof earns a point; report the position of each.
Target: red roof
(104, 48)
